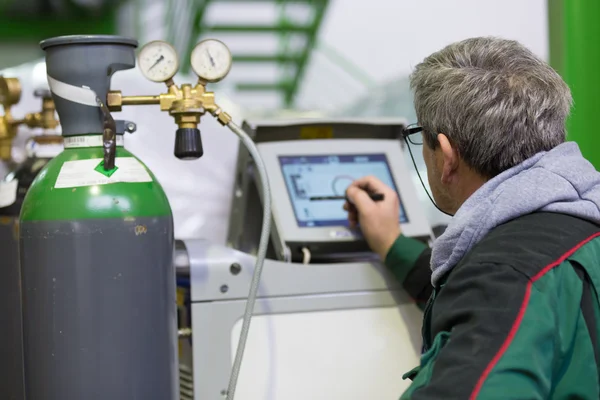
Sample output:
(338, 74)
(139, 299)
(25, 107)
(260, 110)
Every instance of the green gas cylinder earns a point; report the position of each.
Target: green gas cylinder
(96, 249)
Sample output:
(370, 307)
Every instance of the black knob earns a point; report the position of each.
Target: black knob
(188, 144)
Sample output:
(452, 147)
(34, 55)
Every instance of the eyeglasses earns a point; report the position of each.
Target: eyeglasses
(413, 134)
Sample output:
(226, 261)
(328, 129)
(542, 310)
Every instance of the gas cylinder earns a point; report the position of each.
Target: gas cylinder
(13, 188)
(96, 247)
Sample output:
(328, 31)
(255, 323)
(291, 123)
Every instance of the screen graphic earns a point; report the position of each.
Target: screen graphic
(312, 181)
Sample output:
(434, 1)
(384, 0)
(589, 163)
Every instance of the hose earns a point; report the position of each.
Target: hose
(260, 256)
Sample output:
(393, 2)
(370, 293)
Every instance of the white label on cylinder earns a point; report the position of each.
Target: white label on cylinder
(91, 173)
(72, 142)
(8, 192)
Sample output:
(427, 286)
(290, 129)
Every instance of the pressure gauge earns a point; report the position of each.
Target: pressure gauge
(158, 61)
(211, 60)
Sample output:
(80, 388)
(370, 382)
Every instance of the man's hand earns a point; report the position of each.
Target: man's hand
(378, 220)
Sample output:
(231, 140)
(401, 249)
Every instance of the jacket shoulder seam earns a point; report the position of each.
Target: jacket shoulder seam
(521, 314)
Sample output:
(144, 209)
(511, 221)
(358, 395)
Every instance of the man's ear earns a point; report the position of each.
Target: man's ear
(450, 159)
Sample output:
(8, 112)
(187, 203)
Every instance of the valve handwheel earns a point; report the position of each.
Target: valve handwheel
(188, 144)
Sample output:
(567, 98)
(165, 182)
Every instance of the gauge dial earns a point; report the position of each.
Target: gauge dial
(211, 60)
(158, 61)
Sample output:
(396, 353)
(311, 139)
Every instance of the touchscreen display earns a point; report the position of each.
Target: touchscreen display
(317, 185)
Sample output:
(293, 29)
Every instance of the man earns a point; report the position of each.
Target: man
(513, 282)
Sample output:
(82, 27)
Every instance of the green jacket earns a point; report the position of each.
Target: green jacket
(516, 318)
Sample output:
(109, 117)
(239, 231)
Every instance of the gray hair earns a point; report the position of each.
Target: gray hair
(497, 103)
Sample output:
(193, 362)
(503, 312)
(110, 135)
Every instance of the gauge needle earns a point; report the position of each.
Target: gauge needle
(157, 61)
(211, 59)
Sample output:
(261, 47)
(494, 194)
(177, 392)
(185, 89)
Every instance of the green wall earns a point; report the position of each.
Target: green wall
(574, 27)
(20, 35)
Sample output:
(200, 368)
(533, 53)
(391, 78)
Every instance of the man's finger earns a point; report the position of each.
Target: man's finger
(352, 214)
(359, 198)
(353, 218)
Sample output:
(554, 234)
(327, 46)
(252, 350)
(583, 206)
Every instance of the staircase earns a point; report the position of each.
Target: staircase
(189, 20)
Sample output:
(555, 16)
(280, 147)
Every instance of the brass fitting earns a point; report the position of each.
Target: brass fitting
(5, 149)
(222, 116)
(10, 94)
(186, 104)
(44, 119)
(10, 91)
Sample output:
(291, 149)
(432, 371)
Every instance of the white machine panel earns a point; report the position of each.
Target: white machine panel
(301, 171)
(324, 355)
(320, 331)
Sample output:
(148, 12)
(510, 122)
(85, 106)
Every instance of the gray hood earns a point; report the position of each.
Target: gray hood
(559, 180)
